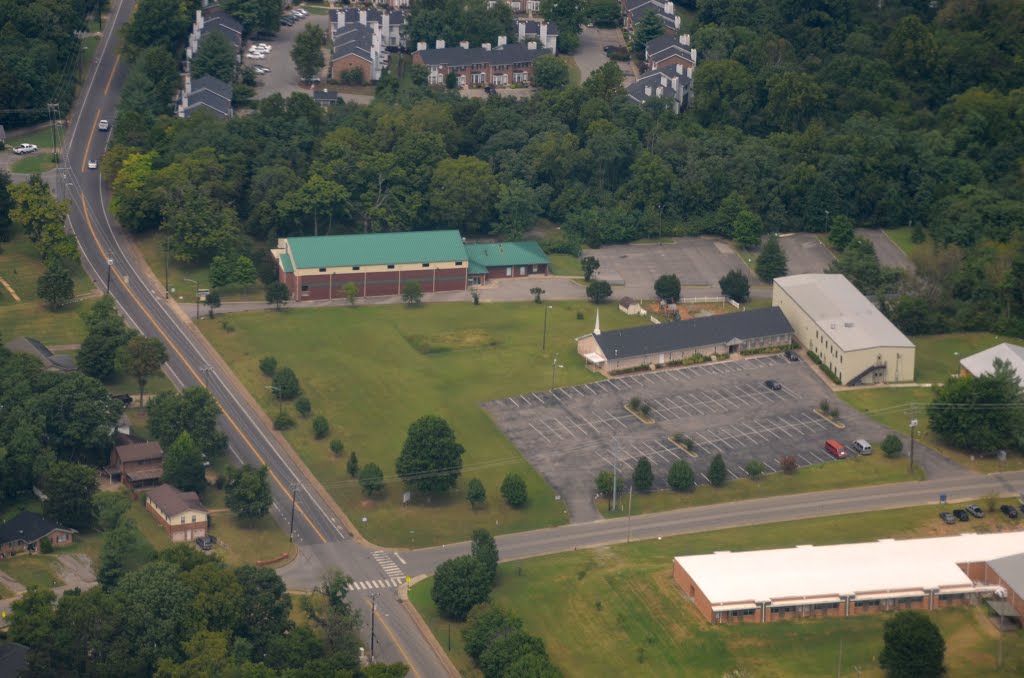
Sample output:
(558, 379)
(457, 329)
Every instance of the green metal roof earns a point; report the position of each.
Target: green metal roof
(373, 249)
(477, 268)
(522, 253)
(286, 264)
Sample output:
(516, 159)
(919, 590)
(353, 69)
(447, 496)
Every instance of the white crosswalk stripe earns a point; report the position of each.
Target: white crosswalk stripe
(387, 564)
(367, 584)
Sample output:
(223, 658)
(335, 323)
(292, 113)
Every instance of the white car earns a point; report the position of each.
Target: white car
(257, 55)
(25, 148)
(91, 164)
(301, 11)
(103, 126)
(265, 47)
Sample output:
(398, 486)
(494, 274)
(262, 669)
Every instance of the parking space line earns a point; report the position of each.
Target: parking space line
(615, 419)
(537, 430)
(745, 435)
(754, 431)
(706, 480)
(655, 450)
(713, 443)
(512, 400)
(566, 428)
(539, 399)
(732, 474)
(551, 429)
(769, 466)
(523, 398)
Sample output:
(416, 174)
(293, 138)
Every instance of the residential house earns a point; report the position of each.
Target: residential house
(672, 83)
(325, 98)
(544, 33)
(519, 6)
(136, 464)
(205, 93)
(635, 10)
(181, 514)
(480, 66)
(392, 24)
(667, 50)
(26, 530)
(357, 46)
(213, 19)
(52, 362)
(13, 658)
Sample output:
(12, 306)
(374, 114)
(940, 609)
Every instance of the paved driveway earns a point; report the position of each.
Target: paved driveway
(282, 78)
(590, 55)
(571, 433)
(805, 253)
(889, 253)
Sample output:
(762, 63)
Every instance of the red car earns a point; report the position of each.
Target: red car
(834, 448)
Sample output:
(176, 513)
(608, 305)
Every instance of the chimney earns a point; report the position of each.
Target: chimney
(689, 72)
(531, 45)
(543, 32)
(647, 90)
(502, 41)
(486, 46)
(439, 44)
(362, 16)
(521, 30)
(670, 8)
(420, 46)
(464, 44)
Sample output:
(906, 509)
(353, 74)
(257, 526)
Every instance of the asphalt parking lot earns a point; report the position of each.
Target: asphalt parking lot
(571, 433)
(889, 253)
(699, 263)
(805, 253)
(282, 78)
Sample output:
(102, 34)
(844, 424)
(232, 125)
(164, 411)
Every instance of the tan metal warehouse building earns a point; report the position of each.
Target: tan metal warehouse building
(832, 319)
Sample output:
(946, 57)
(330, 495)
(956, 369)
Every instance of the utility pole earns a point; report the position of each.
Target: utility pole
(913, 427)
(544, 341)
(110, 263)
(167, 263)
(615, 481)
(54, 112)
(197, 295)
(629, 515)
(373, 618)
(291, 523)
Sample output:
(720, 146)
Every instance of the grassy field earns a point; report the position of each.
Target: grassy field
(939, 355)
(894, 407)
(151, 245)
(373, 370)
(901, 236)
(565, 264)
(30, 570)
(43, 138)
(616, 611)
(35, 163)
(20, 267)
(852, 472)
(575, 76)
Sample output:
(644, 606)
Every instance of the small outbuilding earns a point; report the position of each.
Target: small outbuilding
(26, 530)
(676, 342)
(983, 362)
(631, 306)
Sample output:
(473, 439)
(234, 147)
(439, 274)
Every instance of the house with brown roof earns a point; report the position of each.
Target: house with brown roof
(181, 514)
(136, 464)
(26, 530)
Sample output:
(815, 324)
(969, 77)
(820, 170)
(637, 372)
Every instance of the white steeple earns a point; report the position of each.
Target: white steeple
(597, 324)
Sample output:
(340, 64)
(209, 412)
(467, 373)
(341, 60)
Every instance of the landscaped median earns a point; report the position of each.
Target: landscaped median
(373, 370)
(616, 611)
(854, 471)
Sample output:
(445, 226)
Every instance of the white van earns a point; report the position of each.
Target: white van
(862, 446)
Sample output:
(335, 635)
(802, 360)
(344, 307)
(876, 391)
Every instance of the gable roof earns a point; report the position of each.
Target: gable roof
(171, 501)
(532, 26)
(521, 253)
(353, 40)
(209, 83)
(715, 329)
(351, 15)
(325, 96)
(669, 78)
(982, 362)
(517, 53)
(217, 16)
(369, 249)
(1011, 570)
(139, 452)
(29, 527)
(207, 99)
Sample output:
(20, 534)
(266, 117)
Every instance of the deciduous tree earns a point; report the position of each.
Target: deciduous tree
(476, 494)
(649, 27)
(892, 446)
(643, 475)
(248, 492)
(598, 291)
(412, 293)
(459, 584)
(278, 294)
(70, 489)
(590, 266)
(307, 52)
(216, 56)
(668, 288)
(193, 410)
(735, 286)
(550, 72)
(431, 459)
(371, 479)
(513, 490)
(680, 476)
(56, 287)
(485, 549)
(485, 624)
(914, 646)
(980, 414)
(141, 358)
(183, 465)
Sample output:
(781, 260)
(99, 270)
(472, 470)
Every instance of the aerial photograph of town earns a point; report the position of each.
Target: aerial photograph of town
(512, 338)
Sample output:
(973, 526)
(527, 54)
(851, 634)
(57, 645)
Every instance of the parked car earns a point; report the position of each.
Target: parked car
(961, 515)
(489, 89)
(21, 149)
(947, 517)
(975, 511)
(265, 47)
(104, 126)
(124, 398)
(835, 448)
(862, 446)
(773, 385)
(792, 356)
(206, 543)
(1008, 511)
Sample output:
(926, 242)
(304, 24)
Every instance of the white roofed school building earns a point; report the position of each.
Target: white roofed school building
(846, 580)
(833, 320)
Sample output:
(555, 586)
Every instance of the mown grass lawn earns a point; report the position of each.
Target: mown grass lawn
(565, 264)
(616, 611)
(373, 370)
(854, 471)
(21, 266)
(32, 570)
(36, 163)
(894, 407)
(42, 137)
(939, 355)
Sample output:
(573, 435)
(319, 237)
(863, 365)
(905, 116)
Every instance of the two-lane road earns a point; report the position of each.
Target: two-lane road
(107, 257)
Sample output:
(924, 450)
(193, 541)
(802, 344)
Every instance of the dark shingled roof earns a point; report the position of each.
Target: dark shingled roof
(29, 527)
(715, 329)
(212, 84)
(457, 56)
(325, 96)
(173, 501)
(139, 452)
(208, 99)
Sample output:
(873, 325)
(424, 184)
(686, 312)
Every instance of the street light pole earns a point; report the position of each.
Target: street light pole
(167, 263)
(956, 362)
(629, 515)
(554, 365)
(110, 263)
(291, 523)
(544, 342)
(197, 295)
(913, 427)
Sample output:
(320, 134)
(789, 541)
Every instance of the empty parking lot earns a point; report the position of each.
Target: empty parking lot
(570, 433)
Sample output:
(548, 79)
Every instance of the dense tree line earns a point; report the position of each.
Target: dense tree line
(878, 116)
(39, 56)
(185, 613)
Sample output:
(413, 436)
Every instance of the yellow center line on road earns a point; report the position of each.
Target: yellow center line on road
(195, 374)
(111, 77)
(85, 157)
(394, 639)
